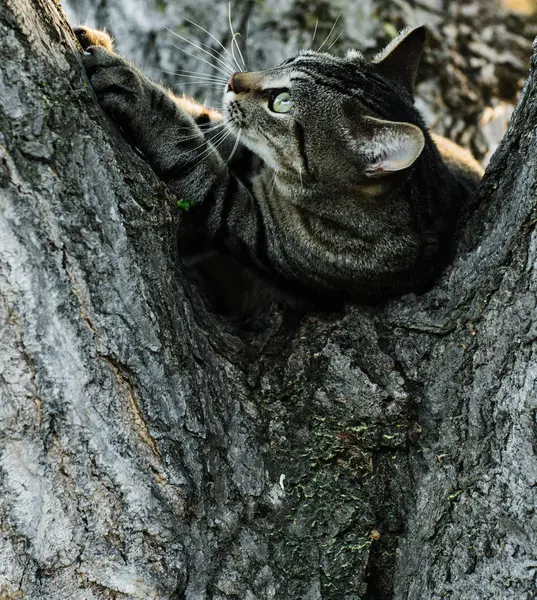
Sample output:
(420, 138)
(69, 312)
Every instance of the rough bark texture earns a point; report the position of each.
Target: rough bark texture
(147, 450)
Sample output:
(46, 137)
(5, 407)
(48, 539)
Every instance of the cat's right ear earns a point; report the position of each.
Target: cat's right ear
(400, 59)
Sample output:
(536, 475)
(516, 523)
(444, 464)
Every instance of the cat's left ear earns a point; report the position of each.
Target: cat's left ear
(400, 59)
(388, 146)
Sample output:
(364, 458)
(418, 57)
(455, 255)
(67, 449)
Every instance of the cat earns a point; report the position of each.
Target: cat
(335, 186)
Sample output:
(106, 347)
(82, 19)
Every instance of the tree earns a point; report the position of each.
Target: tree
(149, 449)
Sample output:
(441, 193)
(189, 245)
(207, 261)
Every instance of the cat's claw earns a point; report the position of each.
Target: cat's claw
(117, 84)
(88, 37)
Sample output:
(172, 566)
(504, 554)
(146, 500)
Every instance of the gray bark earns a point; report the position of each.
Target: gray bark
(151, 450)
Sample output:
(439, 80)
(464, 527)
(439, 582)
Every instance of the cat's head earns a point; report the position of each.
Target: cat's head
(319, 116)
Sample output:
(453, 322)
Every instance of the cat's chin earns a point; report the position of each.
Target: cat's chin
(260, 149)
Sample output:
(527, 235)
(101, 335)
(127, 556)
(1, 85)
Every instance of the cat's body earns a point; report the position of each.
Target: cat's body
(337, 187)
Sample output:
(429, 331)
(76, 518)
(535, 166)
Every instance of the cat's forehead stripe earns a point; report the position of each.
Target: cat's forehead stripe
(337, 76)
(309, 57)
(360, 83)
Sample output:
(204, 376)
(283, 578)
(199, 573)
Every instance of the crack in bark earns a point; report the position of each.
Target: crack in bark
(139, 421)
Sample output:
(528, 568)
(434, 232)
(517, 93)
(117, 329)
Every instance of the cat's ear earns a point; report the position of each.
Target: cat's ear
(388, 146)
(400, 59)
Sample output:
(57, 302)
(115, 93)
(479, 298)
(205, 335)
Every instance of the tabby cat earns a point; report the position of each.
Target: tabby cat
(335, 187)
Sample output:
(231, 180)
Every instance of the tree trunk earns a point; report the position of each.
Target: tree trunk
(150, 450)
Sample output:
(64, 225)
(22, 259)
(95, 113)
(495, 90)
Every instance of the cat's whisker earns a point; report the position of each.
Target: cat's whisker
(212, 52)
(233, 37)
(202, 81)
(194, 81)
(217, 136)
(218, 53)
(300, 175)
(235, 146)
(330, 32)
(224, 64)
(193, 137)
(314, 31)
(224, 59)
(196, 135)
(247, 46)
(272, 184)
(340, 34)
(213, 66)
(205, 131)
(199, 73)
(205, 142)
(200, 76)
(203, 126)
(233, 54)
(213, 147)
(214, 38)
(200, 84)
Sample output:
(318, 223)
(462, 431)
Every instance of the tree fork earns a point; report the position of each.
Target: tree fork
(146, 451)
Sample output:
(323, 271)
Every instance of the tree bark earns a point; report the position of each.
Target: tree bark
(151, 450)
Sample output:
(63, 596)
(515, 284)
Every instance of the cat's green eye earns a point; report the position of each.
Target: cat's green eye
(282, 103)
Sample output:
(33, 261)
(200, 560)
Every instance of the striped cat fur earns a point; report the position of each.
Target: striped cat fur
(336, 187)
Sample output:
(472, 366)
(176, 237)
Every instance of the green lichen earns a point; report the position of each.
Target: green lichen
(185, 205)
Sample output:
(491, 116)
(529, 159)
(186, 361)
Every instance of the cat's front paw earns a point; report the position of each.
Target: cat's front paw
(119, 86)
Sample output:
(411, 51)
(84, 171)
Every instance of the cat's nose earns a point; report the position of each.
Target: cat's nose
(239, 82)
(231, 84)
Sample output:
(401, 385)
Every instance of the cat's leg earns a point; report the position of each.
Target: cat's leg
(120, 86)
(88, 36)
(164, 128)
